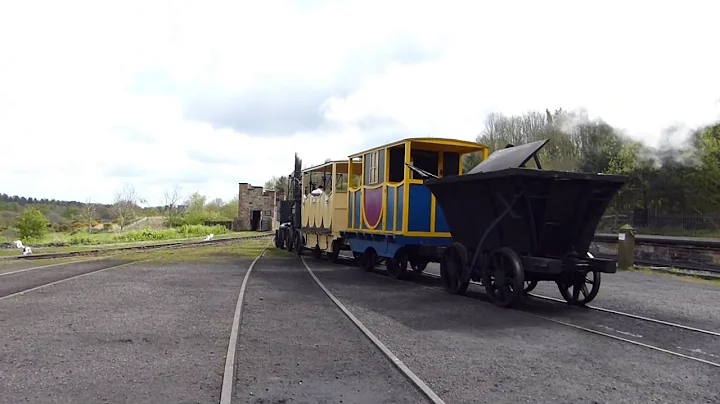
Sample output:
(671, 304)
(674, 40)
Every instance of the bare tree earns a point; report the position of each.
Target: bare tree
(172, 207)
(89, 213)
(126, 201)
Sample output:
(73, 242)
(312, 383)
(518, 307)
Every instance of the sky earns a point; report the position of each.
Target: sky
(204, 95)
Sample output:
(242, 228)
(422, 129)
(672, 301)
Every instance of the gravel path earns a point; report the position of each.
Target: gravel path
(136, 334)
(296, 346)
(469, 351)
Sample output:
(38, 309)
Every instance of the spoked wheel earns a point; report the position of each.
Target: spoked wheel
(529, 286)
(299, 244)
(585, 287)
(504, 277)
(316, 252)
(368, 260)
(451, 269)
(397, 266)
(278, 239)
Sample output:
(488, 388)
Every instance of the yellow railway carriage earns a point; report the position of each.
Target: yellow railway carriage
(324, 208)
(390, 214)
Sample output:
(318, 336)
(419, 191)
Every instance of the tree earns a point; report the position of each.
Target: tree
(273, 182)
(32, 225)
(88, 213)
(126, 202)
(171, 209)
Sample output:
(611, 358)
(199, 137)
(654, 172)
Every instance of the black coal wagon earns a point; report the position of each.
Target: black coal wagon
(513, 226)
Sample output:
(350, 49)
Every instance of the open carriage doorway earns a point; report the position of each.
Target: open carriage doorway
(255, 221)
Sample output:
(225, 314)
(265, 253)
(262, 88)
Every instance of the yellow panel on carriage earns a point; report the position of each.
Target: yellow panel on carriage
(324, 203)
(385, 196)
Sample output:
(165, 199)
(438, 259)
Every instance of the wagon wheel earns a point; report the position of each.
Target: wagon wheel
(580, 294)
(397, 266)
(529, 286)
(504, 277)
(452, 264)
(316, 252)
(368, 260)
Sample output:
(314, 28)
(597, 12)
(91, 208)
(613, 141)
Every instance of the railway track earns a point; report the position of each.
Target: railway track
(227, 394)
(104, 251)
(680, 340)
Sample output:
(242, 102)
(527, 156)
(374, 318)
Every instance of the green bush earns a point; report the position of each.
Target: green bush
(32, 225)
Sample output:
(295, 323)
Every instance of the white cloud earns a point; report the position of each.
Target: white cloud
(94, 94)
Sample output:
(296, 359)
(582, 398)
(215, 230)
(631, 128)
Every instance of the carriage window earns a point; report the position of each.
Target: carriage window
(397, 164)
(355, 172)
(341, 181)
(374, 169)
(451, 164)
(425, 160)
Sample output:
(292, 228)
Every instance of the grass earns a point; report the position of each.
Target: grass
(111, 246)
(245, 250)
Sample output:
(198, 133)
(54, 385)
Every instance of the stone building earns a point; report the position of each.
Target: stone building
(256, 209)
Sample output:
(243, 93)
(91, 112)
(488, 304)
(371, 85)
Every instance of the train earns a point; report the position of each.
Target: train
(506, 223)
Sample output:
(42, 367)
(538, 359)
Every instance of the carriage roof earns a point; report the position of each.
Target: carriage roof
(431, 143)
(324, 167)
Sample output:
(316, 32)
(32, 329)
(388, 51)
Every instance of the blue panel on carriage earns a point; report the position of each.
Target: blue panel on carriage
(387, 246)
(400, 206)
(419, 209)
(441, 225)
(390, 207)
(358, 209)
(350, 209)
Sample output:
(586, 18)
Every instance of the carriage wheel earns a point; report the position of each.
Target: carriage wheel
(580, 294)
(299, 244)
(316, 252)
(278, 239)
(504, 277)
(419, 267)
(335, 251)
(289, 241)
(368, 260)
(451, 269)
(397, 266)
(529, 286)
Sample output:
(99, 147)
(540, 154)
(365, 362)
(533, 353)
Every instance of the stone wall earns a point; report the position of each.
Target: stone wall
(250, 199)
(649, 252)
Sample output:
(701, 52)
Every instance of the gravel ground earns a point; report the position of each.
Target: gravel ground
(296, 346)
(659, 296)
(15, 265)
(17, 282)
(469, 351)
(136, 334)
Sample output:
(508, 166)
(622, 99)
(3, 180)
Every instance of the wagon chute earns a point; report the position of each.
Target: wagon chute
(546, 219)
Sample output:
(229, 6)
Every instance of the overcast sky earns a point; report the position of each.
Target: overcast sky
(94, 94)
